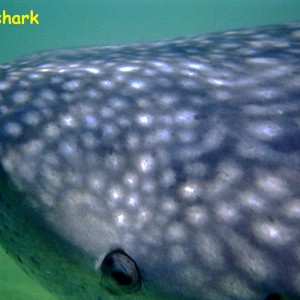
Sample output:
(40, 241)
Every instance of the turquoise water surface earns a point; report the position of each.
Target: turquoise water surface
(78, 23)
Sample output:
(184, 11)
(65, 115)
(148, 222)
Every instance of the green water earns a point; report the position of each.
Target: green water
(90, 22)
(16, 285)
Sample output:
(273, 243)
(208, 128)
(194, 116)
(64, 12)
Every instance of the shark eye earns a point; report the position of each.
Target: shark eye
(120, 274)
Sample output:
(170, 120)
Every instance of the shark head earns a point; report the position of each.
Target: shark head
(167, 170)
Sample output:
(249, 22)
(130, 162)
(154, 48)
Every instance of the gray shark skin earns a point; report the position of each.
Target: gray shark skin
(167, 170)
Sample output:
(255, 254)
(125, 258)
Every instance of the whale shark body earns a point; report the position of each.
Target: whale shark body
(165, 170)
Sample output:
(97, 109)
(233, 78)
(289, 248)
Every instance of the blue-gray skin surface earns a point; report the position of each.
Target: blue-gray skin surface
(185, 154)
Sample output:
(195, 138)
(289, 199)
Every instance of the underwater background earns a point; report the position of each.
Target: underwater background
(72, 23)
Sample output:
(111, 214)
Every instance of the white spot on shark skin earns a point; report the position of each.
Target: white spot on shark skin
(160, 136)
(21, 97)
(137, 84)
(191, 191)
(262, 61)
(146, 163)
(292, 209)
(118, 104)
(176, 232)
(34, 147)
(273, 233)
(195, 66)
(128, 68)
(227, 212)
(169, 207)
(133, 200)
(109, 130)
(196, 215)
(68, 120)
(143, 217)
(114, 162)
(68, 149)
(131, 179)
(219, 82)
(168, 178)
(177, 254)
(121, 219)
(144, 120)
(52, 131)
(162, 66)
(96, 182)
(115, 194)
(252, 201)
(189, 84)
(36, 76)
(148, 186)
(197, 169)
(72, 85)
(32, 118)
(168, 99)
(265, 130)
(185, 117)
(91, 70)
(13, 129)
(107, 84)
(133, 141)
(48, 95)
(271, 184)
(4, 85)
(107, 112)
(91, 121)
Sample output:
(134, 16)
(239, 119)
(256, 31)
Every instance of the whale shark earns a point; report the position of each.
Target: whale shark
(162, 170)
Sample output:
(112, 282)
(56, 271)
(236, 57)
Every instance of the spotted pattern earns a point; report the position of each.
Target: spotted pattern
(184, 153)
